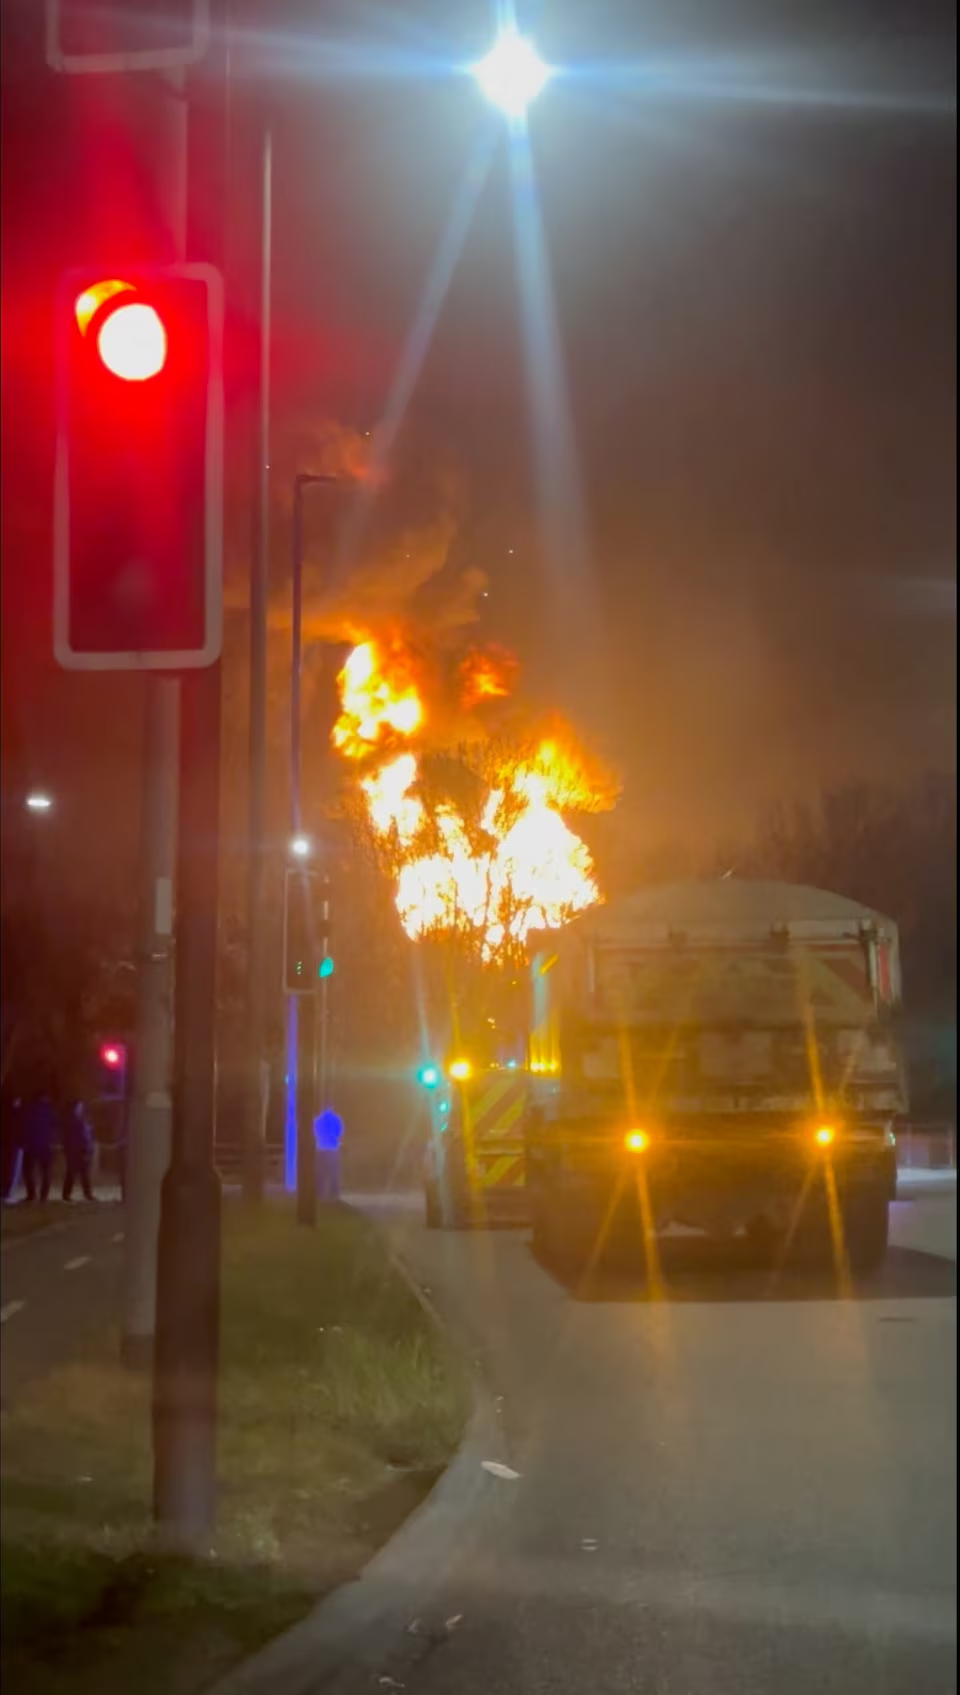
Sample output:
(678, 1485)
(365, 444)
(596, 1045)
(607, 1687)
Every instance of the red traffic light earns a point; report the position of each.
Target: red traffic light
(132, 342)
(138, 497)
(130, 337)
(111, 1054)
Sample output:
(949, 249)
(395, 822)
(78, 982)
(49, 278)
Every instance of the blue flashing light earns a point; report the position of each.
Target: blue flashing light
(290, 1112)
(327, 1131)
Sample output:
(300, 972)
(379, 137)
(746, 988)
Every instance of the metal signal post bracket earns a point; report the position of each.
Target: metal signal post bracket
(124, 36)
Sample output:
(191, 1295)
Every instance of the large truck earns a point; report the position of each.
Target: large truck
(478, 1095)
(721, 1056)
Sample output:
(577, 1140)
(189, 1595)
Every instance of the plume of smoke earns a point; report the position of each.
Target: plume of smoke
(386, 592)
(404, 575)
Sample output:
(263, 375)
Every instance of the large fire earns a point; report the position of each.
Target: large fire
(379, 700)
(510, 867)
(487, 676)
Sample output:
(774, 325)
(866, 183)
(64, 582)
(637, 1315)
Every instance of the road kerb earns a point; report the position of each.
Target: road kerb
(346, 1639)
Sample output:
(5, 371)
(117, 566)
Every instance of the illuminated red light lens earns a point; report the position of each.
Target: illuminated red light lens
(111, 1056)
(132, 343)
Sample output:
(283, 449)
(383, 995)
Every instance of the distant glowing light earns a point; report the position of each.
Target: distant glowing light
(39, 803)
(428, 1076)
(825, 1136)
(636, 1141)
(132, 343)
(460, 1070)
(326, 967)
(512, 74)
(112, 1056)
(301, 847)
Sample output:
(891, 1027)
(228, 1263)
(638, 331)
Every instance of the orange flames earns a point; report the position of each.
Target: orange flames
(513, 867)
(487, 675)
(379, 699)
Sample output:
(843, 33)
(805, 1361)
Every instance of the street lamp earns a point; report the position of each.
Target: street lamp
(512, 74)
(39, 802)
(303, 480)
(301, 847)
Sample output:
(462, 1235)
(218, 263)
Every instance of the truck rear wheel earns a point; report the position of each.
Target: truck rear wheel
(551, 1237)
(868, 1231)
(544, 1230)
(431, 1207)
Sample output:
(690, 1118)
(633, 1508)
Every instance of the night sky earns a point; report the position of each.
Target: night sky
(751, 236)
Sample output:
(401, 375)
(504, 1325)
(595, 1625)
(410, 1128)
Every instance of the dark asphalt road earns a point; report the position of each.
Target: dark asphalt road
(720, 1493)
(56, 1287)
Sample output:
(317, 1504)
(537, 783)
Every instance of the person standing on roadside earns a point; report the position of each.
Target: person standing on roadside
(77, 1151)
(11, 1117)
(39, 1140)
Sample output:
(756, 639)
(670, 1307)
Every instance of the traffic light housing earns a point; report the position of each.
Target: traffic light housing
(307, 960)
(126, 35)
(138, 498)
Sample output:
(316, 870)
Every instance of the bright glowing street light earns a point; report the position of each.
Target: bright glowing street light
(512, 74)
(301, 847)
(37, 802)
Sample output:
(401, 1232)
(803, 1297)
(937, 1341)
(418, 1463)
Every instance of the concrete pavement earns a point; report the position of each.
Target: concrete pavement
(735, 1490)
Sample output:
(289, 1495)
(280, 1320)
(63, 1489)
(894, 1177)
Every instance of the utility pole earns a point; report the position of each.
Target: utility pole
(254, 1129)
(148, 1138)
(186, 1357)
(148, 1145)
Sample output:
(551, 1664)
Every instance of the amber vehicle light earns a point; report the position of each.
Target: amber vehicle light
(636, 1141)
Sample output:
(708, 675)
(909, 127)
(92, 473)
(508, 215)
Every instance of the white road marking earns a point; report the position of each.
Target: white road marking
(75, 1264)
(10, 1309)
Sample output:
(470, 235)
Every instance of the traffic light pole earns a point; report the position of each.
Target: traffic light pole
(188, 1280)
(322, 1010)
(187, 1346)
(147, 1151)
(303, 1044)
(148, 1141)
(254, 1127)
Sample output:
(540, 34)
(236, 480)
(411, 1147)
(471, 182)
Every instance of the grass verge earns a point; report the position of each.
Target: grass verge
(340, 1403)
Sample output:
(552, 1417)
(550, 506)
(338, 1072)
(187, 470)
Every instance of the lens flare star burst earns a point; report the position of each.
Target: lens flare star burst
(512, 74)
